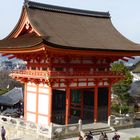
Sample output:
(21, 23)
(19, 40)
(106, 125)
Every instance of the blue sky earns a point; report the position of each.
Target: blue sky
(125, 14)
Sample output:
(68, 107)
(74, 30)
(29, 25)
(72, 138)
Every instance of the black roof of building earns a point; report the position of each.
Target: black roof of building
(69, 28)
(12, 97)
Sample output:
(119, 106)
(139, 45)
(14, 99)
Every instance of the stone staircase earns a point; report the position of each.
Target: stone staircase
(96, 129)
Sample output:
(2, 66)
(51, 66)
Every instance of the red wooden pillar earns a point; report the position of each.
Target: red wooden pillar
(96, 103)
(109, 99)
(50, 106)
(67, 105)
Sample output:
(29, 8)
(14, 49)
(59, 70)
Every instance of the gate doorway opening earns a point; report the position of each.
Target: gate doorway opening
(102, 104)
(58, 106)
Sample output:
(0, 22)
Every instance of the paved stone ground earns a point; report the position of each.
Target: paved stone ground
(125, 134)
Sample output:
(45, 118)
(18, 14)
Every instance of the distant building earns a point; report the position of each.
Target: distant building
(7, 65)
(12, 99)
(10, 65)
(135, 86)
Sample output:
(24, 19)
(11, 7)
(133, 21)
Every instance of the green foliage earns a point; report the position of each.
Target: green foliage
(4, 90)
(135, 138)
(124, 108)
(121, 88)
(115, 108)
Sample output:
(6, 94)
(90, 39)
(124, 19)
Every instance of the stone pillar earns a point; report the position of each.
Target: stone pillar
(109, 101)
(96, 103)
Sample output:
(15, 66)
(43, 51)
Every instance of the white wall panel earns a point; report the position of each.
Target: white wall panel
(31, 102)
(90, 84)
(43, 90)
(62, 85)
(82, 84)
(32, 89)
(43, 120)
(101, 83)
(31, 117)
(56, 85)
(106, 83)
(43, 104)
(73, 85)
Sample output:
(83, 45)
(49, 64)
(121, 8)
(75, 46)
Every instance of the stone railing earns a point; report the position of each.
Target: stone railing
(63, 130)
(25, 126)
(43, 131)
(137, 115)
(123, 121)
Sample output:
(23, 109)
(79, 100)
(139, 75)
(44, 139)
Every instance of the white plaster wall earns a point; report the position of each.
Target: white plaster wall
(43, 104)
(56, 85)
(101, 83)
(32, 89)
(31, 117)
(62, 85)
(82, 84)
(43, 120)
(91, 84)
(106, 83)
(73, 85)
(43, 90)
(31, 102)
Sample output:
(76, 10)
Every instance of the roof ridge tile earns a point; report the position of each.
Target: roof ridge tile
(31, 4)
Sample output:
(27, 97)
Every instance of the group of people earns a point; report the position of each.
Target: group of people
(103, 136)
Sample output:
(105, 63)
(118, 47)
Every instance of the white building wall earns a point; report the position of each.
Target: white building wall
(38, 103)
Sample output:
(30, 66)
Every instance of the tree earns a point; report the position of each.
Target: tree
(7, 83)
(121, 88)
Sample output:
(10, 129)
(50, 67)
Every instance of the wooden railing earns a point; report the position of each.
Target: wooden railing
(59, 117)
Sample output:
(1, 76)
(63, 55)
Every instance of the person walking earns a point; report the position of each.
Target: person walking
(105, 136)
(3, 133)
(101, 137)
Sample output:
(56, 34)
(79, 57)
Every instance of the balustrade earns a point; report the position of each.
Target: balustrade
(121, 121)
(51, 131)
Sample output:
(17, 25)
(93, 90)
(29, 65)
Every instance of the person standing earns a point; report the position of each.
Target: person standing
(3, 133)
(116, 136)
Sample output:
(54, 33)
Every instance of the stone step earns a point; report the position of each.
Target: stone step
(97, 131)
